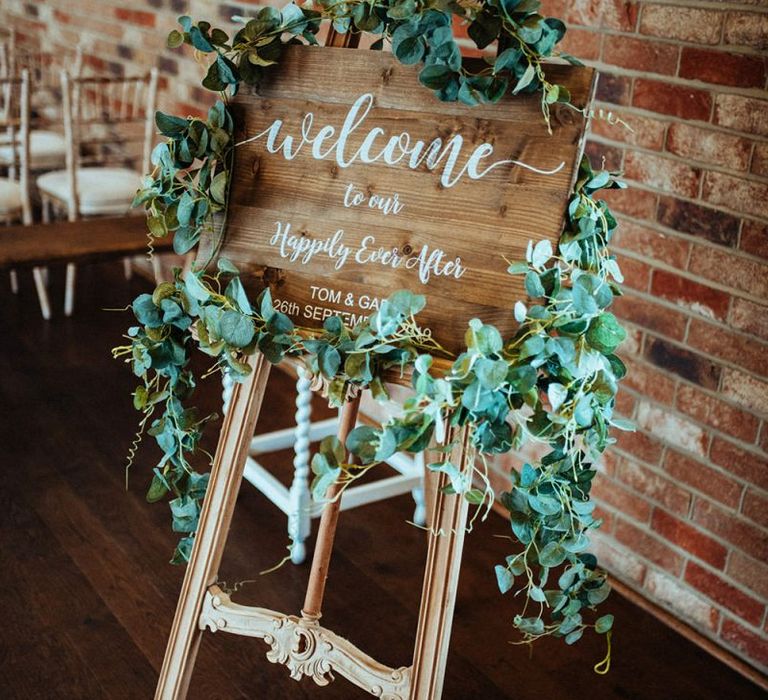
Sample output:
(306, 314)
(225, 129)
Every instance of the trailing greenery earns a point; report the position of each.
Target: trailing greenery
(554, 381)
(214, 314)
(188, 185)
(420, 31)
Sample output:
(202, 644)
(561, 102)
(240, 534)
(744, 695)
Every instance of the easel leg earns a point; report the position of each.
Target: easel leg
(215, 519)
(448, 519)
(313, 601)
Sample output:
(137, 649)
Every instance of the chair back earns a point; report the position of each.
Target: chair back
(8, 41)
(44, 68)
(108, 121)
(14, 133)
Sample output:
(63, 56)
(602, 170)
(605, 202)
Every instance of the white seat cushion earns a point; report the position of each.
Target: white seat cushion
(101, 190)
(47, 150)
(10, 197)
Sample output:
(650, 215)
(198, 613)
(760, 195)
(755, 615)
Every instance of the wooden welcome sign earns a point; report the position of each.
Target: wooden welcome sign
(351, 181)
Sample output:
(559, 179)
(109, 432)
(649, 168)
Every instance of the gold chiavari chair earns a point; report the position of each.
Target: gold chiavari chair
(15, 202)
(47, 146)
(109, 131)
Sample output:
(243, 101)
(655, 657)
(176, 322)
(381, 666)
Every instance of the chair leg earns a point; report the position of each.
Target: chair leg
(14, 276)
(127, 268)
(157, 268)
(69, 290)
(189, 260)
(299, 521)
(46, 276)
(42, 293)
(46, 210)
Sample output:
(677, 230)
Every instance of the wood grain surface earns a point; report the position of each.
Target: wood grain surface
(64, 241)
(482, 222)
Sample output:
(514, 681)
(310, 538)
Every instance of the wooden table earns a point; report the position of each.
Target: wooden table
(86, 240)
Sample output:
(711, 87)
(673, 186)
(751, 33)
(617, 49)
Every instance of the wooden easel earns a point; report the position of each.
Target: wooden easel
(500, 215)
(299, 642)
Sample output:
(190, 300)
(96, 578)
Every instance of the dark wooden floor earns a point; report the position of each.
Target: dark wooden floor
(88, 594)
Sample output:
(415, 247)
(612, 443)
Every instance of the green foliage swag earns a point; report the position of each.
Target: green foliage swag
(554, 381)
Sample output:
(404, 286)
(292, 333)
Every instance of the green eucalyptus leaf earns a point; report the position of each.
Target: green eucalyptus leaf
(402, 9)
(266, 308)
(460, 481)
(557, 394)
(583, 301)
(236, 292)
(504, 578)
(573, 637)
(199, 40)
(158, 489)
(175, 39)
(183, 550)
(185, 239)
(599, 594)
(506, 60)
(408, 49)
(185, 208)
(218, 188)
(146, 312)
(476, 497)
(325, 476)
(237, 329)
(546, 505)
(185, 512)
(329, 360)
(527, 476)
(170, 125)
(364, 441)
(603, 624)
(605, 334)
(533, 285)
(525, 79)
(491, 373)
(530, 625)
(552, 554)
(140, 397)
(542, 252)
(435, 76)
(226, 265)
(485, 28)
(387, 446)
(195, 288)
(293, 18)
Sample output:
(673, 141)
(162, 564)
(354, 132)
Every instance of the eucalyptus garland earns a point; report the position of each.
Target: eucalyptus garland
(554, 381)
(419, 31)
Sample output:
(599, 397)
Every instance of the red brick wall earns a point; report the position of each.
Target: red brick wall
(685, 498)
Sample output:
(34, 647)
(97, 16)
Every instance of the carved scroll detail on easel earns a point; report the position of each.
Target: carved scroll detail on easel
(305, 648)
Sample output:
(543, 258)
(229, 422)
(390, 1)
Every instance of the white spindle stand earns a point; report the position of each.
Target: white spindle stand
(299, 522)
(296, 501)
